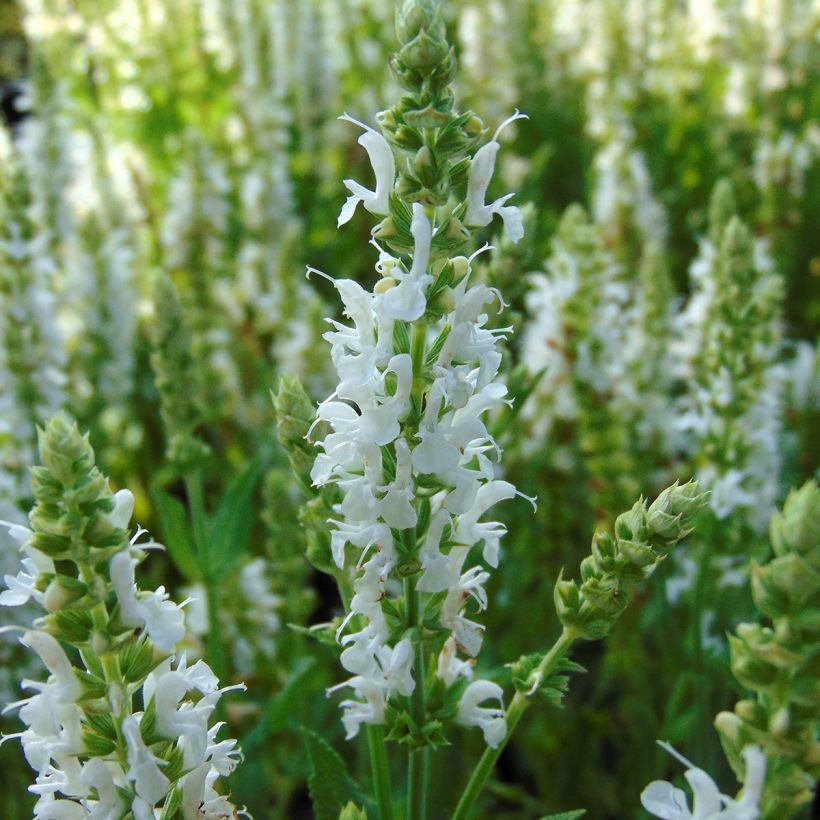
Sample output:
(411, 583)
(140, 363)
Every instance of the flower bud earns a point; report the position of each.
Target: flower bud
(385, 229)
(62, 591)
(294, 411)
(385, 284)
(797, 528)
(605, 594)
(424, 164)
(567, 598)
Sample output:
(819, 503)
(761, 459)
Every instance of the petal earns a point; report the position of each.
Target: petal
(663, 800)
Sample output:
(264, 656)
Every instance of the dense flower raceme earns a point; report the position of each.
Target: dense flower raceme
(662, 799)
(128, 725)
(410, 451)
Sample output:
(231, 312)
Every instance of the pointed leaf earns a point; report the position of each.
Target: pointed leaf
(175, 533)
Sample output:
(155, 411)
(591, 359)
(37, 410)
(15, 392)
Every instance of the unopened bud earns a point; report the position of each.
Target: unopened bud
(62, 591)
(385, 284)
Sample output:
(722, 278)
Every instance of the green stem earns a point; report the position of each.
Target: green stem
(418, 344)
(381, 771)
(417, 764)
(519, 704)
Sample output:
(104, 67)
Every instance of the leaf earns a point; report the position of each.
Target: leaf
(565, 815)
(330, 786)
(230, 529)
(176, 535)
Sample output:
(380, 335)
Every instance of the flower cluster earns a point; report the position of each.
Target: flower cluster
(728, 350)
(121, 721)
(408, 446)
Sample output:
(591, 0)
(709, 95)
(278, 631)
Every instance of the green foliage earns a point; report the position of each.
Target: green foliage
(331, 788)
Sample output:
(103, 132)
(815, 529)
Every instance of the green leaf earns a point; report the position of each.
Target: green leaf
(176, 535)
(565, 815)
(231, 527)
(330, 786)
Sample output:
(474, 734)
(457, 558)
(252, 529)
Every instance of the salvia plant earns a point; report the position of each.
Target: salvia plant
(561, 284)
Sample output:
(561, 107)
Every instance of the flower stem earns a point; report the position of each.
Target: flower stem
(418, 343)
(520, 702)
(381, 771)
(417, 763)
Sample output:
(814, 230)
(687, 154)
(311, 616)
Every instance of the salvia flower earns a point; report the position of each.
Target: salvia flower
(662, 799)
(407, 451)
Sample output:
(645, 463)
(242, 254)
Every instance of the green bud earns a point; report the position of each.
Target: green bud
(63, 591)
(352, 812)
(423, 53)
(638, 554)
(679, 501)
(605, 551)
(797, 528)
(425, 166)
(65, 452)
(295, 411)
(632, 524)
(751, 672)
(567, 598)
(761, 644)
(605, 594)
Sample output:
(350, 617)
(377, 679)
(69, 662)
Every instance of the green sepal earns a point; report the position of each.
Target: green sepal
(173, 805)
(322, 633)
(99, 734)
(73, 626)
(401, 338)
(404, 730)
(176, 764)
(393, 611)
(137, 660)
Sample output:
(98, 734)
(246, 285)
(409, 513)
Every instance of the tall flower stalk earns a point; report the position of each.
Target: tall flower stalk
(408, 446)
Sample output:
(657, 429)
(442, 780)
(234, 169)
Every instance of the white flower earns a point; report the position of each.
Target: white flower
(406, 301)
(384, 166)
(481, 172)
(67, 688)
(449, 668)
(663, 800)
(161, 617)
(150, 783)
(491, 721)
